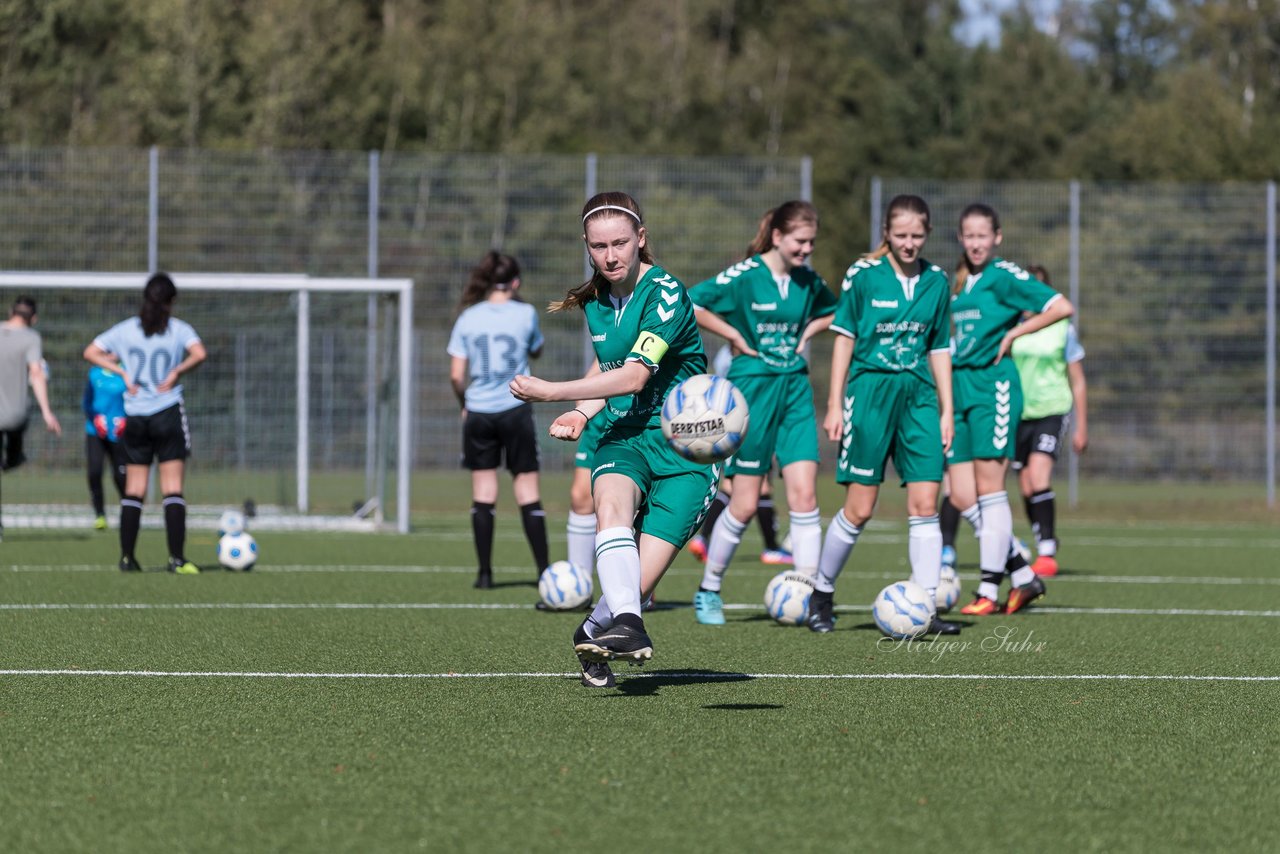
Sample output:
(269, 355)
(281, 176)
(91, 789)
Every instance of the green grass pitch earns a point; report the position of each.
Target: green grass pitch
(354, 693)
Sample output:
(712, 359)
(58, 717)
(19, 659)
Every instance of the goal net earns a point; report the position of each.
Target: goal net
(302, 411)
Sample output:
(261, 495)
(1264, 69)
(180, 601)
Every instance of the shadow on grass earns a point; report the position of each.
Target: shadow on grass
(636, 683)
(743, 707)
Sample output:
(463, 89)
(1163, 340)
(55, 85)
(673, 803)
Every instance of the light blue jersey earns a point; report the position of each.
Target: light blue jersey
(103, 404)
(496, 339)
(148, 360)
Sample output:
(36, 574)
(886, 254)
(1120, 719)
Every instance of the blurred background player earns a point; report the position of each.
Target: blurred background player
(648, 499)
(493, 339)
(989, 298)
(21, 365)
(774, 553)
(1055, 398)
(767, 306)
(104, 421)
(890, 397)
(151, 352)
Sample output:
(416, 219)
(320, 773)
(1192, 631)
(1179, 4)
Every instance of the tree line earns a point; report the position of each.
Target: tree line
(1182, 90)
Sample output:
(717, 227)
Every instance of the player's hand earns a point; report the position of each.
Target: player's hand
(947, 425)
(739, 347)
(1080, 440)
(1006, 343)
(530, 388)
(170, 380)
(51, 422)
(833, 424)
(569, 426)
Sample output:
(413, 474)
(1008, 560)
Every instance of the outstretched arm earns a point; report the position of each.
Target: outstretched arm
(40, 388)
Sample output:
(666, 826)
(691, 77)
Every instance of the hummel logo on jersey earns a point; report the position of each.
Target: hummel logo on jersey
(764, 306)
(602, 467)
(884, 303)
(666, 281)
(670, 299)
(736, 270)
(599, 337)
(665, 314)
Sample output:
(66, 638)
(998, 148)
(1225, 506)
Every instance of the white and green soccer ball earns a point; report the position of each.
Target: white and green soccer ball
(564, 586)
(238, 551)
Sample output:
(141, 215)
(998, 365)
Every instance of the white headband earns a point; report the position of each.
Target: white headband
(626, 211)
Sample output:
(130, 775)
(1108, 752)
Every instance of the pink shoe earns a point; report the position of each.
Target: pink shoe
(777, 557)
(698, 548)
(1045, 565)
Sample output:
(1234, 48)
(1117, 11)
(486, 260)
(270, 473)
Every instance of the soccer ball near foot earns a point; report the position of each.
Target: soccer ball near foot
(238, 552)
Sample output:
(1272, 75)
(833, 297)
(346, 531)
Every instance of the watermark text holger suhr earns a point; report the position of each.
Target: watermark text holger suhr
(1002, 639)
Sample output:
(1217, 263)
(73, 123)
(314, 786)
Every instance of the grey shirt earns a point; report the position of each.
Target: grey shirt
(19, 348)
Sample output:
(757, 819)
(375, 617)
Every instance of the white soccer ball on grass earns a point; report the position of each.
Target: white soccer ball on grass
(786, 598)
(564, 586)
(238, 551)
(903, 610)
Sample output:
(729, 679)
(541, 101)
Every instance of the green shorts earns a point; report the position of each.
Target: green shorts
(674, 492)
(890, 415)
(988, 407)
(585, 456)
(783, 423)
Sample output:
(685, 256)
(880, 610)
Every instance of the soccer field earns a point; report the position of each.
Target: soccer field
(354, 693)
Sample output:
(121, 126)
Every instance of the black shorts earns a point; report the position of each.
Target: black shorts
(161, 437)
(1039, 436)
(489, 436)
(11, 455)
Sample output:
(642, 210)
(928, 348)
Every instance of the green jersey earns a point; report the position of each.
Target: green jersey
(655, 326)
(896, 322)
(1042, 358)
(770, 311)
(989, 305)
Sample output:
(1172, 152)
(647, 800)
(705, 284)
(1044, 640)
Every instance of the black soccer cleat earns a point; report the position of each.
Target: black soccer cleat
(129, 564)
(619, 642)
(484, 580)
(942, 627)
(821, 618)
(1021, 597)
(595, 674)
(587, 606)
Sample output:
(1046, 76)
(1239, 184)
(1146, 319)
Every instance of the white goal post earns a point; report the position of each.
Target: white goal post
(254, 310)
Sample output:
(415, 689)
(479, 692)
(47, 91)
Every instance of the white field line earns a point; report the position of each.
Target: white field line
(465, 606)
(978, 677)
(524, 572)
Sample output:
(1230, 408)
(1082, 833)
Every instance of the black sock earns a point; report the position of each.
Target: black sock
(631, 620)
(175, 525)
(96, 495)
(819, 597)
(949, 519)
(717, 507)
(482, 532)
(1041, 510)
(1014, 562)
(130, 522)
(993, 577)
(535, 531)
(768, 519)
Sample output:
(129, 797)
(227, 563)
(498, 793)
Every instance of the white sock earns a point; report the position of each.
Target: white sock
(600, 620)
(725, 536)
(996, 534)
(842, 536)
(974, 517)
(618, 565)
(924, 549)
(1022, 575)
(1048, 548)
(582, 540)
(806, 541)
(987, 590)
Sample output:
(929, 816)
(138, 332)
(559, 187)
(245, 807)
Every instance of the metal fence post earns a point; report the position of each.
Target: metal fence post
(1271, 344)
(304, 399)
(1073, 293)
(371, 331)
(877, 188)
(806, 179)
(153, 210)
(590, 181)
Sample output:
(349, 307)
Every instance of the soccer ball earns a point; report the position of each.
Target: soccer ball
(903, 610)
(563, 586)
(787, 597)
(238, 551)
(230, 522)
(705, 418)
(948, 590)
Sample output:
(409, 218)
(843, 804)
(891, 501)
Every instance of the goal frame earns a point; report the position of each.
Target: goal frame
(303, 286)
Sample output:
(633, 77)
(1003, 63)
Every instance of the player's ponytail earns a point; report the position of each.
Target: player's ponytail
(495, 272)
(157, 303)
(613, 203)
(963, 268)
(899, 204)
(786, 217)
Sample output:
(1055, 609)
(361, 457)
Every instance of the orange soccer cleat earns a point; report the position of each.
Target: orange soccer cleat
(981, 606)
(1021, 597)
(698, 548)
